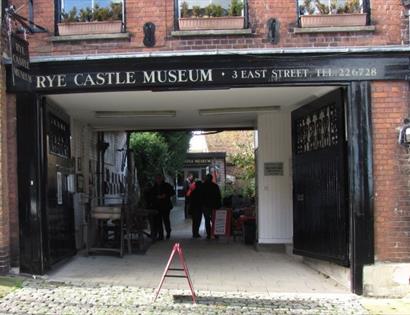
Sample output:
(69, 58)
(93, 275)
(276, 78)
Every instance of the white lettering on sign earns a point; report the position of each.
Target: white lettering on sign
(55, 80)
(197, 76)
(177, 76)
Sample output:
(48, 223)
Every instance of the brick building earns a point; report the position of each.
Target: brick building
(325, 99)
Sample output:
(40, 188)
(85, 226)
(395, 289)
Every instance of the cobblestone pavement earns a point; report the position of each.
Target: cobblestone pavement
(45, 297)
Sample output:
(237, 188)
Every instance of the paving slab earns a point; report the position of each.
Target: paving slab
(215, 265)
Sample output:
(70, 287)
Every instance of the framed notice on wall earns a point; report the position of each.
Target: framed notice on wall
(221, 222)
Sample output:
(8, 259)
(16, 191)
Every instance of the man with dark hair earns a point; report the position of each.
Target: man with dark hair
(211, 199)
(160, 197)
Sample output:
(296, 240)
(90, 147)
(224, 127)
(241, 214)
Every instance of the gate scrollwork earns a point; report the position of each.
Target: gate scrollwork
(317, 130)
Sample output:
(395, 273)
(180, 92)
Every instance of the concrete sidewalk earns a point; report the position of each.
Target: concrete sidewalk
(214, 265)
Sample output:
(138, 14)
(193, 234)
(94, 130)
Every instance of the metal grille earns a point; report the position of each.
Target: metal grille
(321, 221)
(317, 130)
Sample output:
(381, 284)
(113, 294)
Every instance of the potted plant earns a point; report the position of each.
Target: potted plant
(99, 20)
(212, 17)
(332, 15)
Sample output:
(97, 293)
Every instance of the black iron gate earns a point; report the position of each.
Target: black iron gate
(320, 202)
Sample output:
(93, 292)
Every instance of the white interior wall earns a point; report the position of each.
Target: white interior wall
(275, 221)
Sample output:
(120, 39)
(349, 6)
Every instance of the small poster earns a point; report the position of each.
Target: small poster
(221, 222)
(273, 169)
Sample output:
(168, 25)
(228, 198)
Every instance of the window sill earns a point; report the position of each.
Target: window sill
(334, 29)
(245, 31)
(69, 38)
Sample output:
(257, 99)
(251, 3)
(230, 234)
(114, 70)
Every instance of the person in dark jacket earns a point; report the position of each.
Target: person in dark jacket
(211, 199)
(196, 209)
(160, 198)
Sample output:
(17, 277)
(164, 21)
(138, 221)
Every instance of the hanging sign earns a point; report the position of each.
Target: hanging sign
(20, 64)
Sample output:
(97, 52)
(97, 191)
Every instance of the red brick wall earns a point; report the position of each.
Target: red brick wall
(12, 180)
(387, 16)
(4, 213)
(390, 104)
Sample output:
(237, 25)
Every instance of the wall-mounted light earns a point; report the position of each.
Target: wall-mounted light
(237, 110)
(132, 114)
(404, 133)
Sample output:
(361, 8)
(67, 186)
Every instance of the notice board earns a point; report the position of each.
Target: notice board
(221, 222)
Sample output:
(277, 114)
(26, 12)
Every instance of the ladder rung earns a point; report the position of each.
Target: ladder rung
(175, 276)
(176, 269)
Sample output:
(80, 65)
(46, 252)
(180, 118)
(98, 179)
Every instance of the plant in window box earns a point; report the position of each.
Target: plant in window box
(331, 15)
(212, 17)
(99, 20)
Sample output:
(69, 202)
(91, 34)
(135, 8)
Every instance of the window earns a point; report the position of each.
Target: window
(108, 16)
(309, 7)
(206, 7)
(67, 5)
(333, 13)
(87, 10)
(211, 14)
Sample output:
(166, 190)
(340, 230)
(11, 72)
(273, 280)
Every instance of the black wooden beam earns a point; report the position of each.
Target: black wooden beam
(360, 168)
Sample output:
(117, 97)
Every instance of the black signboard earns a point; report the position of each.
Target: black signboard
(198, 72)
(20, 64)
(59, 137)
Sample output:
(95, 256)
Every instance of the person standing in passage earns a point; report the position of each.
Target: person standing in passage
(161, 194)
(211, 199)
(196, 208)
(189, 186)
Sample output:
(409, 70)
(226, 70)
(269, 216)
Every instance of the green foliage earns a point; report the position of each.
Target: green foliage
(112, 12)
(9, 284)
(101, 14)
(150, 151)
(352, 6)
(218, 10)
(70, 16)
(178, 145)
(209, 10)
(307, 7)
(158, 153)
(323, 8)
(184, 10)
(196, 10)
(116, 11)
(334, 6)
(86, 15)
(235, 9)
(245, 163)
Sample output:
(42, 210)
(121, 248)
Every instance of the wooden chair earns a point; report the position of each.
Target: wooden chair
(109, 224)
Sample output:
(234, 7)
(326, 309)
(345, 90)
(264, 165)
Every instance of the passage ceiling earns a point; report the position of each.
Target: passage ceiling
(186, 106)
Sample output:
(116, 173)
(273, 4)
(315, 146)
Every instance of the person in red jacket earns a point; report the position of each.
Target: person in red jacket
(188, 188)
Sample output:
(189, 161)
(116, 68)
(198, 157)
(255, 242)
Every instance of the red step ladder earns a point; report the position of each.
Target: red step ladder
(177, 249)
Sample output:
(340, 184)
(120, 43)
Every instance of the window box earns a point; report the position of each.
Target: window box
(329, 20)
(211, 23)
(85, 28)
